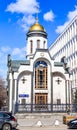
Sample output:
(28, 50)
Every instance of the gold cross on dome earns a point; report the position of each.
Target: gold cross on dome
(37, 11)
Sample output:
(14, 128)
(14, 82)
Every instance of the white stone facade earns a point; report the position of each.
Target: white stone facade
(39, 79)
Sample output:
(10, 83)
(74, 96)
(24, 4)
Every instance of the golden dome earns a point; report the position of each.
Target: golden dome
(37, 27)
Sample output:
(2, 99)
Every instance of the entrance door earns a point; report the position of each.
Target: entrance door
(41, 100)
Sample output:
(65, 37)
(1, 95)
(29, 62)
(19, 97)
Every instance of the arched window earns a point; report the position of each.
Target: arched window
(41, 73)
(31, 46)
(38, 44)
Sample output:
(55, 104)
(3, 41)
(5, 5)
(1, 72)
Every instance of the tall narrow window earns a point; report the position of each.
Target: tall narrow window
(31, 46)
(38, 44)
(41, 72)
(44, 44)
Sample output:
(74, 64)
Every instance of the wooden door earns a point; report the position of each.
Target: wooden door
(41, 100)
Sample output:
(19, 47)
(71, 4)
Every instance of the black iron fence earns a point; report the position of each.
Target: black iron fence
(30, 108)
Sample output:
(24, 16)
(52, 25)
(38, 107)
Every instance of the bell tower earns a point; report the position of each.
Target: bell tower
(36, 38)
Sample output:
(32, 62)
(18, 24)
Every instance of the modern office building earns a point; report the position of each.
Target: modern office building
(66, 46)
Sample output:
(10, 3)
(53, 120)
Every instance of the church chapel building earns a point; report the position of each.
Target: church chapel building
(41, 82)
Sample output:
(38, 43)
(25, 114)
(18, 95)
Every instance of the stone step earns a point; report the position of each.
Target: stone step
(39, 115)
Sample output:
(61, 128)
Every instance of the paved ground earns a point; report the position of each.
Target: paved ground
(38, 122)
(43, 128)
(45, 121)
(42, 124)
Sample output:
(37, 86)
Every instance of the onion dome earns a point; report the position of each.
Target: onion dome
(37, 27)
(37, 30)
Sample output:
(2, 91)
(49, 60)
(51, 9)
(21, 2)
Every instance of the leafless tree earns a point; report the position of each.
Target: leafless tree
(3, 93)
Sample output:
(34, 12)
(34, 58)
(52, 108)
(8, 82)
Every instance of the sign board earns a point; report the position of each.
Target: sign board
(23, 95)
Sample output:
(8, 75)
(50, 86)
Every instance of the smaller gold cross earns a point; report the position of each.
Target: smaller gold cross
(23, 80)
(58, 81)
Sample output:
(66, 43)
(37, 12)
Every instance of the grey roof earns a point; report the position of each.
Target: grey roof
(58, 63)
(15, 64)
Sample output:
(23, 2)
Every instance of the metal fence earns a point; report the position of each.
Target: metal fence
(30, 108)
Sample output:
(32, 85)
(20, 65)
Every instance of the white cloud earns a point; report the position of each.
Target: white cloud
(49, 16)
(19, 52)
(16, 53)
(23, 6)
(5, 49)
(26, 21)
(70, 16)
(3, 73)
(25, 27)
(61, 27)
(1, 54)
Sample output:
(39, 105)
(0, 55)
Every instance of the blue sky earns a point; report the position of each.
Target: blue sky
(16, 16)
